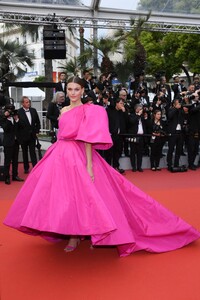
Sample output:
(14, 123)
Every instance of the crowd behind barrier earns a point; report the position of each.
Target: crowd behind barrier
(143, 122)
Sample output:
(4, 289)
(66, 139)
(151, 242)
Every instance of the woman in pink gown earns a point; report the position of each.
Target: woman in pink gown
(73, 192)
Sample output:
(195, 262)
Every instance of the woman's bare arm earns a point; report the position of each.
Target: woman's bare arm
(88, 150)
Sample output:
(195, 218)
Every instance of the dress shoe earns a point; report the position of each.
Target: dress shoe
(158, 169)
(140, 170)
(7, 181)
(153, 169)
(17, 178)
(121, 171)
(26, 171)
(134, 170)
(193, 168)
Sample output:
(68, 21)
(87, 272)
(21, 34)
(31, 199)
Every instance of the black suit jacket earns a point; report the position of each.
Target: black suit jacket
(28, 131)
(136, 85)
(117, 121)
(134, 123)
(10, 132)
(194, 118)
(175, 117)
(87, 86)
(59, 87)
(53, 113)
(177, 89)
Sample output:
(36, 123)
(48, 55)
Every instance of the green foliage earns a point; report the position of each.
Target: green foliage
(124, 70)
(13, 59)
(106, 45)
(167, 52)
(40, 79)
(71, 67)
(175, 6)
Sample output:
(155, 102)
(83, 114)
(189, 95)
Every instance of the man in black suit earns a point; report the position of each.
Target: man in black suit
(162, 86)
(117, 117)
(137, 127)
(61, 86)
(139, 84)
(193, 132)
(196, 83)
(178, 87)
(87, 81)
(9, 122)
(29, 127)
(175, 131)
(96, 94)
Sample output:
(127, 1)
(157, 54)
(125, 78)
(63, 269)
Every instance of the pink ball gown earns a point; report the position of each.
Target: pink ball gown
(60, 199)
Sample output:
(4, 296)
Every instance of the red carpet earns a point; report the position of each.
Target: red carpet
(33, 269)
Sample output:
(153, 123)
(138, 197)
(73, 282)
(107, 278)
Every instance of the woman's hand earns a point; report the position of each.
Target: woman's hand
(90, 172)
(88, 149)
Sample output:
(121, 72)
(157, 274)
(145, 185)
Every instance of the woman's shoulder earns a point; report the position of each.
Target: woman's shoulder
(65, 108)
(89, 107)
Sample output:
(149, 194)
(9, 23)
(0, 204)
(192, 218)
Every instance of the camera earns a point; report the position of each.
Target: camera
(10, 108)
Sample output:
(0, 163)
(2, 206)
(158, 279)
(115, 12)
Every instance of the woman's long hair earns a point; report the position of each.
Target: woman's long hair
(76, 79)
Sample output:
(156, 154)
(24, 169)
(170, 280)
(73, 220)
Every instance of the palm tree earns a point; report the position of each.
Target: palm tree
(123, 70)
(106, 46)
(72, 67)
(139, 53)
(14, 58)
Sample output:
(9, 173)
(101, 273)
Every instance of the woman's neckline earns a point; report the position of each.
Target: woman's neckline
(71, 107)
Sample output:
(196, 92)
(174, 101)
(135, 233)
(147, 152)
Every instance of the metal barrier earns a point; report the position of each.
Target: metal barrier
(45, 123)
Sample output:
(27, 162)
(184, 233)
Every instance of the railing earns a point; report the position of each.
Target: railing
(45, 123)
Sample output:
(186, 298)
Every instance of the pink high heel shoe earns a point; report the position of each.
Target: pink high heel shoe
(70, 248)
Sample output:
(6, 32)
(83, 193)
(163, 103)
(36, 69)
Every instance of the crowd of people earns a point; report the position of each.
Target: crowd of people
(140, 126)
(73, 194)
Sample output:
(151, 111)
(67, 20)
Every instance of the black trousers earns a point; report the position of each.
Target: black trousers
(174, 143)
(11, 156)
(29, 146)
(156, 152)
(136, 153)
(113, 154)
(193, 147)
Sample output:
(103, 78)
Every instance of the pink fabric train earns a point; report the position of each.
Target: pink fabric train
(59, 199)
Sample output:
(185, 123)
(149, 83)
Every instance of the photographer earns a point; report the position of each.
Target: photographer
(139, 84)
(162, 86)
(178, 87)
(9, 121)
(196, 83)
(193, 130)
(137, 127)
(157, 128)
(175, 127)
(117, 118)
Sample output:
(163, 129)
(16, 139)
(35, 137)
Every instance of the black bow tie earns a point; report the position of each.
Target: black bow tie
(27, 110)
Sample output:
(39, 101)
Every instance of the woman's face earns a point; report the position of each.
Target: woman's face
(74, 91)
(158, 115)
(60, 98)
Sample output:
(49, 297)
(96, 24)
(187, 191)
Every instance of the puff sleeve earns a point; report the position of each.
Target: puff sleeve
(93, 128)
